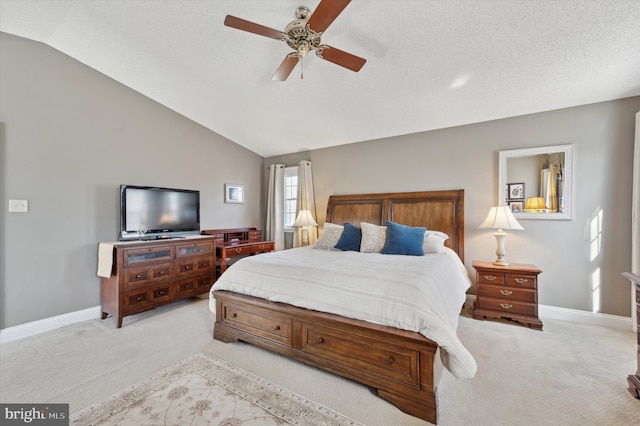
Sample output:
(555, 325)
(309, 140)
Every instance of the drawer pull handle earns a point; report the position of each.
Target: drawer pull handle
(277, 327)
(390, 360)
(234, 315)
(490, 277)
(506, 292)
(161, 292)
(261, 246)
(506, 306)
(138, 276)
(238, 250)
(139, 298)
(319, 340)
(521, 280)
(187, 286)
(161, 272)
(187, 267)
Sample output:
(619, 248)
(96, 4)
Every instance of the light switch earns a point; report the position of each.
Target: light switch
(18, 206)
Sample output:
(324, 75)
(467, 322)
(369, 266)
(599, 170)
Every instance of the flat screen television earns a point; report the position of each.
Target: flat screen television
(150, 213)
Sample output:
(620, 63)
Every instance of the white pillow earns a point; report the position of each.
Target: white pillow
(434, 242)
(329, 237)
(373, 237)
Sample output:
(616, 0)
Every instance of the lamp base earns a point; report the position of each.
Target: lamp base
(501, 236)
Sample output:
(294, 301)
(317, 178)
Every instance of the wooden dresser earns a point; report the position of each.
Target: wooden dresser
(237, 242)
(507, 292)
(145, 275)
(634, 379)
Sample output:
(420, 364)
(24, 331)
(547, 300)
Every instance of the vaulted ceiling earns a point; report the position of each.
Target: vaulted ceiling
(430, 64)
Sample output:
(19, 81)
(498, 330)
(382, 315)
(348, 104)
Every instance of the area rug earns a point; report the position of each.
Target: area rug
(203, 390)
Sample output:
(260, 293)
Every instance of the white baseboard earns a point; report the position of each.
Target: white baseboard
(36, 327)
(574, 315)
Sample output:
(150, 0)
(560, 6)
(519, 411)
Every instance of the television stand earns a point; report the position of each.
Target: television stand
(139, 276)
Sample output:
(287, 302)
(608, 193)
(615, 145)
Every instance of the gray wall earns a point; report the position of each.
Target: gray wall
(69, 136)
(467, 157)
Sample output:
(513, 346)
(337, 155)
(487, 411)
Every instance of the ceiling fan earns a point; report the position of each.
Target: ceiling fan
(303, 35)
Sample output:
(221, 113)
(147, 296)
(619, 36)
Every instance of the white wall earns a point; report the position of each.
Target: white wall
(467, 157)
(69, 136)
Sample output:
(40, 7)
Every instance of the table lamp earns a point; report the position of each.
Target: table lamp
(500, 218)
(305, 220)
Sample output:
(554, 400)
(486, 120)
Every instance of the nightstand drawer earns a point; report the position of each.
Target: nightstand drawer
(508, 306)
(522, 281)
(490, 277)
(507, 293)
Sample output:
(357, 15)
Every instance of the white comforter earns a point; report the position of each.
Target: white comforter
(416, 293)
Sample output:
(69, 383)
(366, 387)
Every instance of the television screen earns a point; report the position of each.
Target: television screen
(147, 212)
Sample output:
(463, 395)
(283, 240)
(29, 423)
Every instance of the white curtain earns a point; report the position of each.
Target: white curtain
(549, 186)
(274, 229)
(306, 201)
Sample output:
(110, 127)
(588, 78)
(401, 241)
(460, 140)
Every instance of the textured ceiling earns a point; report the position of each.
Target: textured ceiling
(430, 64)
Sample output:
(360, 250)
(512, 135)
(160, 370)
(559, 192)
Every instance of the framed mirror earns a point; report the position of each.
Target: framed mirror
(537, 183)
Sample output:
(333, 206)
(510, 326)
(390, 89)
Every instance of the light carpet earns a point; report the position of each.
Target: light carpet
(203, 390)
(568, 374)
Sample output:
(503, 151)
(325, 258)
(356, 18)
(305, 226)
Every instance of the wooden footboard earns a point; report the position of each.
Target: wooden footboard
(404, 367)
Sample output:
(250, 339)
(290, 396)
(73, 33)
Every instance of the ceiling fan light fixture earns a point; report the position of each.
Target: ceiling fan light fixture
(303, 48)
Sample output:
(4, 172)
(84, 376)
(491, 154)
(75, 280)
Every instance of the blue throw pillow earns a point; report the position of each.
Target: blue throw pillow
(402, 239)
(350, 238)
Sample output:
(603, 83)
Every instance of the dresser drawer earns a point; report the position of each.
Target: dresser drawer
(141, 300)
(194, 249)
(193, 286)
(144, 256)
(135, 277)
(488, 277)
(193, 266)
(269, 325)
(379, 359)
(231, 251)
(521, 280)
(508, 307)
(508, 293)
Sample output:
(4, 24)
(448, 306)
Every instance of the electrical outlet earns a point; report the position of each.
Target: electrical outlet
(18, 206)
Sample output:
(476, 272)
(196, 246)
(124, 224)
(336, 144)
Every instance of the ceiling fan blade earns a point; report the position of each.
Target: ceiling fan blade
(326, 12)
(342, 58)
(285, 68)
(241, 24)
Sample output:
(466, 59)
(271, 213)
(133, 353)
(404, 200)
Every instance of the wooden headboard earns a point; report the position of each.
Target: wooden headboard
(436, 210)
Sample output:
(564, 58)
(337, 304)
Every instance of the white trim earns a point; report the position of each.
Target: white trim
(575, 315)
(36, 327)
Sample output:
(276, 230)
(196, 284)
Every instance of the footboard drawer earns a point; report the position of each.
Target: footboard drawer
(383, 359)
(261, 323)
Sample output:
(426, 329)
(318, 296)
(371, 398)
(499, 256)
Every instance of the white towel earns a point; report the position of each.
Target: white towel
(105, 259)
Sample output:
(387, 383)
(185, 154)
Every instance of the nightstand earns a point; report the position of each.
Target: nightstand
(507, 292)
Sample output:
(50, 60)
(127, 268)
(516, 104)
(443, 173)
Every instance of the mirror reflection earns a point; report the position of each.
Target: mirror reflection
(536, 183)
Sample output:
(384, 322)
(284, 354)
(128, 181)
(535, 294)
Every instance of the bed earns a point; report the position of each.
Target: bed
(400, 350)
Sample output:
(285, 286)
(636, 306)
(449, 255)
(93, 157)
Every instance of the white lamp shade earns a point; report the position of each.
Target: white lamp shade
(305, 219)
(500, 217)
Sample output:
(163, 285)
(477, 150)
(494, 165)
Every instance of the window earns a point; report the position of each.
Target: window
(290, 196)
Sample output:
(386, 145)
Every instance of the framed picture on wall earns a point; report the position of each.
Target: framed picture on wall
(233, 193)
(515, 191)
(516, 206)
